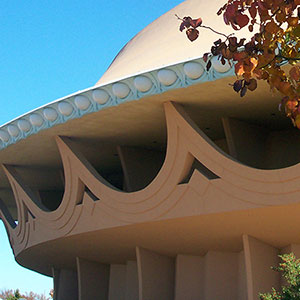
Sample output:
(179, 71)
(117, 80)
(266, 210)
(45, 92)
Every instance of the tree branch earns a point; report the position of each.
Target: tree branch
(207, 27)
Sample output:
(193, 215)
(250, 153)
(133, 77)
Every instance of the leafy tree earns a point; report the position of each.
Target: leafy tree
(15, 295)
(10, 295)
(290, 269)
(275, 41)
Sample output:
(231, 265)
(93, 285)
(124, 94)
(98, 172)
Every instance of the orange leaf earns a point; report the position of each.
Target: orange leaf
(291, 105)
(295, 73)
(293, 21)
(254, 62)
(297, 121)
(252, 85)
(239, 69)
(284, 87)
(272, 27)
(281, 16)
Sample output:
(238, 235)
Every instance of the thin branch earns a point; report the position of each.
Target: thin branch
(178, 17)
(288, 58)
(207, 27)
(268, 63)
(279, 56)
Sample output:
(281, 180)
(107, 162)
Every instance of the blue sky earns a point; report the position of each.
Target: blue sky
(50, 49)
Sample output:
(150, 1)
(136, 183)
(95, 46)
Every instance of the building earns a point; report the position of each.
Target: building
(187, 193)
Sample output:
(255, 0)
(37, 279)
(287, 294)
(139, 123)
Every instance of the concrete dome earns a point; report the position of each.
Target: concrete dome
(162, 44)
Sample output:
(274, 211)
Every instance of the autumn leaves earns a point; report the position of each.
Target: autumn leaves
(276, 41)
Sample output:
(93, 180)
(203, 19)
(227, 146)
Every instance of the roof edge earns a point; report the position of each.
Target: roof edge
(110, 94)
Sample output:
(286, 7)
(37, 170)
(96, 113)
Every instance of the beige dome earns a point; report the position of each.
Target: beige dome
(162, 44)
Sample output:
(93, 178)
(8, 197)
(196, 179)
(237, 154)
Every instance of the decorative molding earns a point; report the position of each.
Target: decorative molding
(235, 187)
(100, 97)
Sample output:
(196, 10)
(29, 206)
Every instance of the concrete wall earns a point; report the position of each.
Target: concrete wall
(189, 282)
(156, 275)
(65, 284)
(117, 282)
(93, 280)
(260, 257)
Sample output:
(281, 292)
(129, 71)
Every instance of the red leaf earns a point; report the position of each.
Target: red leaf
(205, 57)
(196, 22)
(231, 11)
(233, 41)
(226, 20)
(238, 56)
(186, 23)
(222, 9)
(192, 34)
(253, 10)
(241, 42)
(242, 20)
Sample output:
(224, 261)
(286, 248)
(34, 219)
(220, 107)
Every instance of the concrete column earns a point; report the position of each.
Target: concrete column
(156, 275)
(259, 258)
(221, 275)
(65, 284)
(117, 281)
(242, 280)
(190, 274)
(93, 280)
(132, 281)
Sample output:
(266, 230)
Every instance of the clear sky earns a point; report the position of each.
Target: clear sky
(49, 49)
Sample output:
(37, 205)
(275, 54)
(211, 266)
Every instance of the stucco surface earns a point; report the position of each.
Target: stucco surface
(162, 44)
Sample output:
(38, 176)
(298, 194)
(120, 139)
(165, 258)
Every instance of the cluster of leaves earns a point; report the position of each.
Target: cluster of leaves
(10, 295)
(191, 27)
(16, 295)
(275, 41)
(290, 269)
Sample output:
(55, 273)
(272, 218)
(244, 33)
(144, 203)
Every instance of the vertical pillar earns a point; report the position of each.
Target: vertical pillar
(132, 282)
(156, 275)
(259, 258)
(93, 280)
(242, 280)
(189, 281)
(117, 281)
(221, 275)
(65, 284)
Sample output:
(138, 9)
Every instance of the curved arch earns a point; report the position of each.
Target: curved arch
(235, 185)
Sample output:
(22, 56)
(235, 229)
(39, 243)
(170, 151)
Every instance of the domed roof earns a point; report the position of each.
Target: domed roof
(162, 44)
